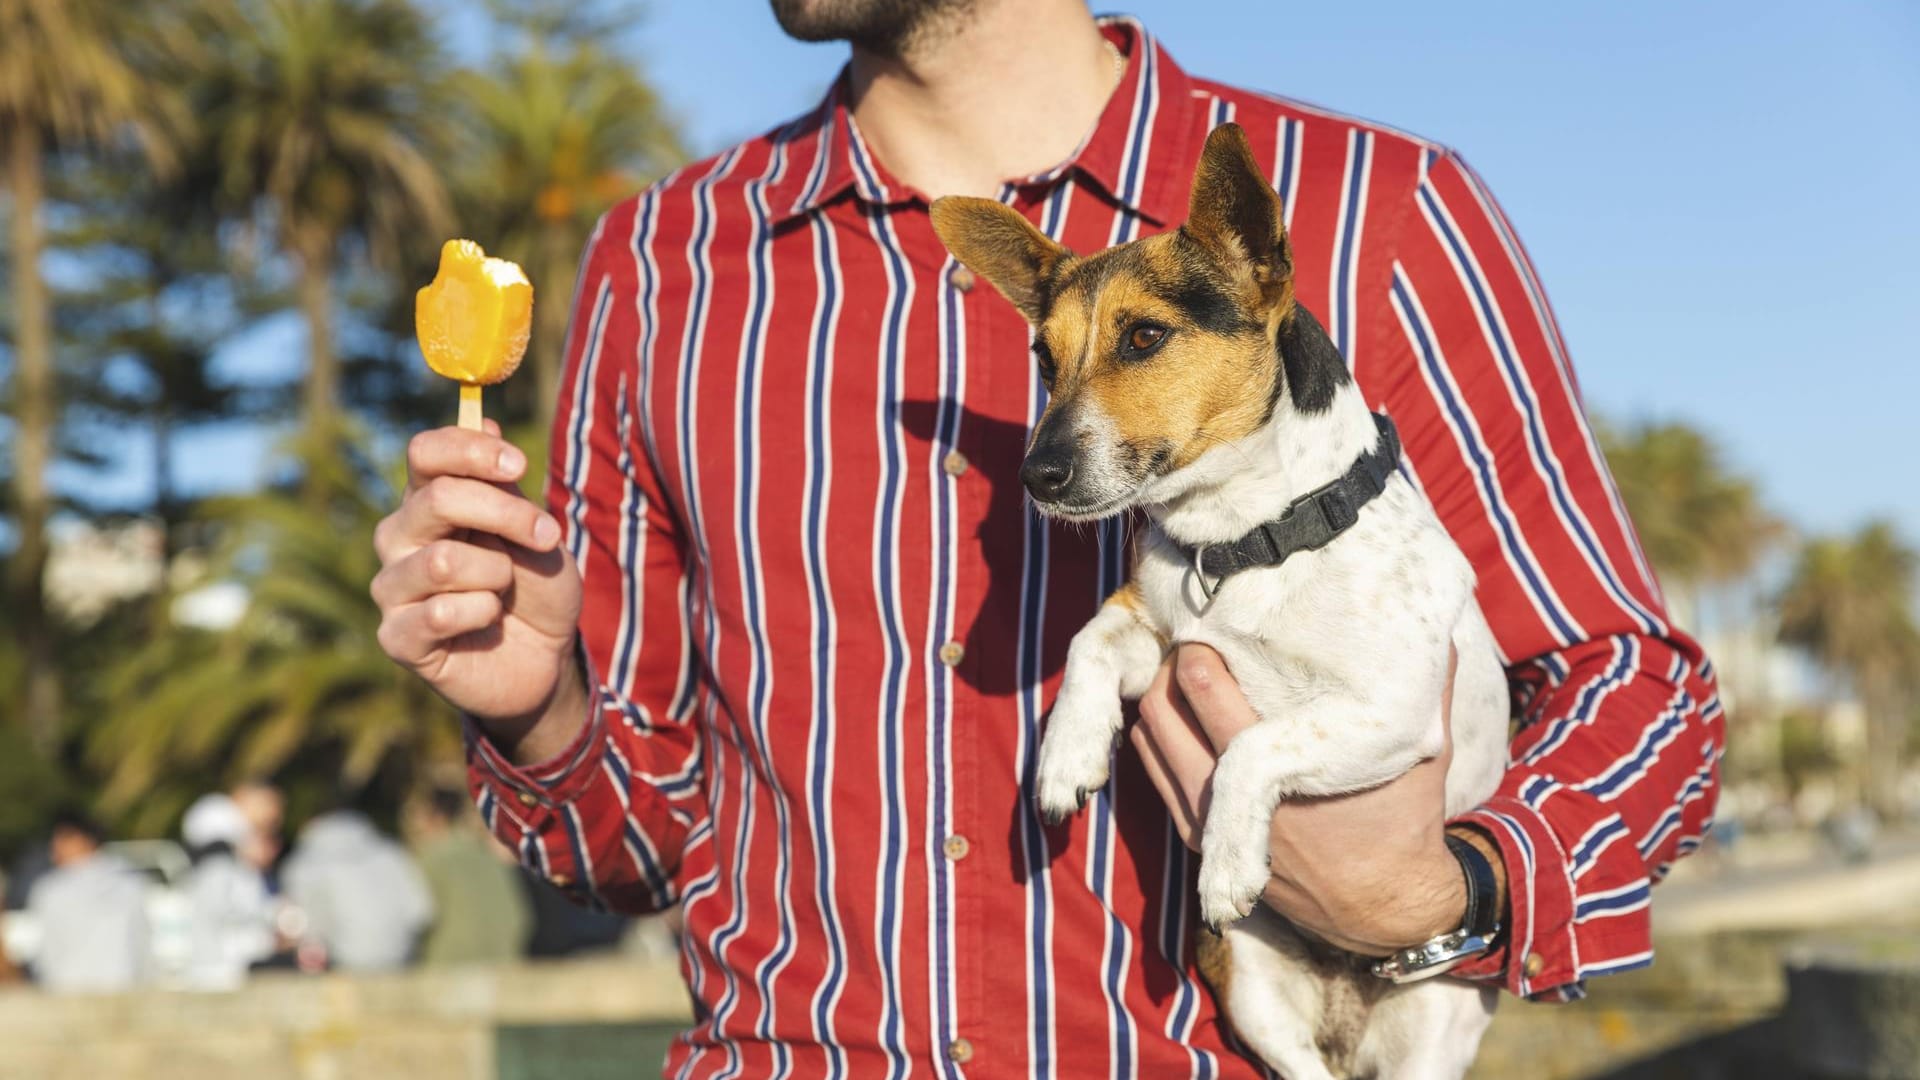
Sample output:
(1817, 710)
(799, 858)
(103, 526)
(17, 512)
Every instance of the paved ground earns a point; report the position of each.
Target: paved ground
(1793, 882)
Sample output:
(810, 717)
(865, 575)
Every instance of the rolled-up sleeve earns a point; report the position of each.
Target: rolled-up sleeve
(609, 819)
(1614, 767)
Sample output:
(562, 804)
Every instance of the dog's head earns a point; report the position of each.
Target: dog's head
(1154, 351)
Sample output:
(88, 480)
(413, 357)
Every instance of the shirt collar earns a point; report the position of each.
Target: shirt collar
(1125, 155)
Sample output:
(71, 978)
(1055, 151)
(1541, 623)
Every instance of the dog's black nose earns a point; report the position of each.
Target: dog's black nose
(1047, 472)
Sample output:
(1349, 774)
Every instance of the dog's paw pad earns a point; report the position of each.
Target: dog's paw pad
(1059, 801)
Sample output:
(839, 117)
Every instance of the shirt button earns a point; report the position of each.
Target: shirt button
(954, 463)
(956, 847)
(527, 798)
(952, 653)
(961, 278)
(1535, 965)
(960, 1051)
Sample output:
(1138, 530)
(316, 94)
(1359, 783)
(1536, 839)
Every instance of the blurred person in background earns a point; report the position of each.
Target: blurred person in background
(232, 915)
(480, 911)
(265, 808)
(778, 647)
(91, 911)
(363, 898)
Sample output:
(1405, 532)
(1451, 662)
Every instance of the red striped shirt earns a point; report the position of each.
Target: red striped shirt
(824, 627)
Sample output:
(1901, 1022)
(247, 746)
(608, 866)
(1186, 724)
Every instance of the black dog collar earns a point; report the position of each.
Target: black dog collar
(1309, 522)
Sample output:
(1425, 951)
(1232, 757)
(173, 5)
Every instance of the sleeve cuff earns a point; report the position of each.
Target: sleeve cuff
(532, 793)
(1537, 955)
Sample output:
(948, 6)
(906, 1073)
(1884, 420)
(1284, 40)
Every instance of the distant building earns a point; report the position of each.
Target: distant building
(90, 569)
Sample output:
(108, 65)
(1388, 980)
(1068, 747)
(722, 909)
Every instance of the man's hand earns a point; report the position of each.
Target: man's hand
(1368, 872)
(477, 597)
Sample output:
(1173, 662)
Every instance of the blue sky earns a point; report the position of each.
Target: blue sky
(1723, 199)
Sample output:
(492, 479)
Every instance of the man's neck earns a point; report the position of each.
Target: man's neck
(1008, 90)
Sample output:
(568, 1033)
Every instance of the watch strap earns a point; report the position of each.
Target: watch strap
(1482, 917)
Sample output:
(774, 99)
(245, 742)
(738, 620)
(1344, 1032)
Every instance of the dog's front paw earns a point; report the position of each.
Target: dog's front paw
(1075, 754)
(1232, 877)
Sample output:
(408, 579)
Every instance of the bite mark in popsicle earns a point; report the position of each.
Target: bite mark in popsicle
(473, 321)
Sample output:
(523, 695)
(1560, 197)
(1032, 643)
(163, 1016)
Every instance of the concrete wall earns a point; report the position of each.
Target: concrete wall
(417, 1025)
(427, 1025)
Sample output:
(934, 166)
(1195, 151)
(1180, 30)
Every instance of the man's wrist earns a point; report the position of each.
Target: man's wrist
(545, 733)
(1439, 899)
(1432, 899)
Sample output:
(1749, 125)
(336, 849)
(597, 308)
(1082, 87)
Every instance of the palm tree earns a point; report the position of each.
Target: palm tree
(297, 685)
(65, 83)
(1700, 524)
(321, 119)
(549, 136)
(1849, 603)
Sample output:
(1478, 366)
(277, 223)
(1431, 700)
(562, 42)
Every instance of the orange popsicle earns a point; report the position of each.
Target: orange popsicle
(473, 321)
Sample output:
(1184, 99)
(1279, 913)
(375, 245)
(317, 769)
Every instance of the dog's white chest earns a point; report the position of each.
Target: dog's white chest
(1323, 620)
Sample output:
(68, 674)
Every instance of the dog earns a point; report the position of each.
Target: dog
(1186, 381)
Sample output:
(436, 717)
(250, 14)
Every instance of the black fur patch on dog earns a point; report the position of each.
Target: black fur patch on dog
(1208, 305)
(1313, 369)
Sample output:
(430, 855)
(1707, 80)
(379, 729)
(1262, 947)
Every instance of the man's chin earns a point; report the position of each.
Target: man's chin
(886, 27)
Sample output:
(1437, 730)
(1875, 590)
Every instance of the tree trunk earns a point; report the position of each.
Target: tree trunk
(315, 286)
(551, 291)
(165, 506)
(1886, 743)
(34, 409)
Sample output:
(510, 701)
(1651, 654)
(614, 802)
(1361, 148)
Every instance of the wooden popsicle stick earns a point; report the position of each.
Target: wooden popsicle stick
(470, 406)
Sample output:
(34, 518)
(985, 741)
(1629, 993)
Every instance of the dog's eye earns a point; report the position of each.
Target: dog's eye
(1043, 357)
(1144, 338)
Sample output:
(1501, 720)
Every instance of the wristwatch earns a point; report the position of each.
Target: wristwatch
(1479, 930)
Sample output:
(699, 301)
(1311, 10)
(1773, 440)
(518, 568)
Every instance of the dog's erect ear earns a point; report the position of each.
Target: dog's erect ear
(994, 241)
(1234, 211)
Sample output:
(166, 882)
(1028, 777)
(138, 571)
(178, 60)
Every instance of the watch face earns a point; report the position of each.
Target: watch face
(1435, 957)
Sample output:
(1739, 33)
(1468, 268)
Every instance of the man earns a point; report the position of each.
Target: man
(264, 806)
(480, 910)
(91, 912)
(364, 899)
(230, 913)
(800, 690)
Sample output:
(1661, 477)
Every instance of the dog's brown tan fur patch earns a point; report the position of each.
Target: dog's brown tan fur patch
(1211, 954)
(1348, 992)
(1162, 338)
(1182, 396)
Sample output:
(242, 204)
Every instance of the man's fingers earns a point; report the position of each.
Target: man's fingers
(458, 452)
(449, 503)
(443, 566)
(412, 633)
(1177, 737)
(1203, 679)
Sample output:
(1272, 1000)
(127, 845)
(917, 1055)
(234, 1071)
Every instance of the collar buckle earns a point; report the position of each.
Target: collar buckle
(1337, 509)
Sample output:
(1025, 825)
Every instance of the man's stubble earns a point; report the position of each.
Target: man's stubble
(888, 28)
